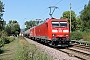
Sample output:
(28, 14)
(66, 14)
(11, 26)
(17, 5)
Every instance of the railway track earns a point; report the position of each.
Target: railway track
(79, 51)
(81, 46)
(83, 55)
(75, 51)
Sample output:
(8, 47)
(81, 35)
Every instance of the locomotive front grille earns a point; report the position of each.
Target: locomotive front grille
(61, 40)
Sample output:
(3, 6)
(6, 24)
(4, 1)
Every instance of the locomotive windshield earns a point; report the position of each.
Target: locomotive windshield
(63, 24)
(55, 24)
(59, 24)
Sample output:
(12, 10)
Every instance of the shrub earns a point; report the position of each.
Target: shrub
(86, 36)
(3, 33)
(5, 40)
(76, 35)
(0, 42)
(11, 38)
(0, 34)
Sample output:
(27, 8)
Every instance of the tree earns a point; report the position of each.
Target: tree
(66, 14)
(79, 23)
(85, 16)
(2, 22)
(8, 29)
(29, 24)
(13, 27)
(32, 23)
(1, 9)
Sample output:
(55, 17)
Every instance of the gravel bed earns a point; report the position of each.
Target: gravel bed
(53, 53)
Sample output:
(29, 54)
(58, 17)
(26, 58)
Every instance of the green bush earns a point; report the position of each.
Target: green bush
(76, 35)
(80, 35)
(5, 40)
(0, 33)
(1, 42)
(86, 36)
(3, 33)
(11, 38)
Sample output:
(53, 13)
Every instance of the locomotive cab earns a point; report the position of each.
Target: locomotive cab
(60, 32)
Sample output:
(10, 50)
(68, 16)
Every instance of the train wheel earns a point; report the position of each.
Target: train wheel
(52, 43)
(46, 42)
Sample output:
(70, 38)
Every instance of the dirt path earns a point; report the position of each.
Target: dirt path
(9, 51)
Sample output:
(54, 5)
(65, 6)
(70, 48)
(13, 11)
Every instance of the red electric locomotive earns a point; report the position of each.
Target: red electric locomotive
(53, 31)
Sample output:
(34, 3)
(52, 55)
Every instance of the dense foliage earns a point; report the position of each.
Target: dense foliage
(86, 36)
(13, 28)
(85, 17)
(2, 22)
(32, 23)
(76, 36)
(80, 36)
(5, 40)
(3, 33)
(79, 23)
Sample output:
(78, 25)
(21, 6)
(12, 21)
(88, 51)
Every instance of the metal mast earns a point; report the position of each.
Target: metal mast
(70, 17)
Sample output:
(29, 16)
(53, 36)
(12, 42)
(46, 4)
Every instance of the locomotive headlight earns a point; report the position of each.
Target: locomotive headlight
(66, 35)
(54, 30)
(53, 34)
(65, 30)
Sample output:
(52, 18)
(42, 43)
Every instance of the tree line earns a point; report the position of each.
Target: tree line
(31, 23)
(12, 28)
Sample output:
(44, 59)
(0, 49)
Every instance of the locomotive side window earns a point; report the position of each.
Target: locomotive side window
(54, 24)
(63, 24)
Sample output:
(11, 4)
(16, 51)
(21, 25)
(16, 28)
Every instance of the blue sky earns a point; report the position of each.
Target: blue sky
(38, 9)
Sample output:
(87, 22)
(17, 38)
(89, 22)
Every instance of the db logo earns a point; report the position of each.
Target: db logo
(60, 30)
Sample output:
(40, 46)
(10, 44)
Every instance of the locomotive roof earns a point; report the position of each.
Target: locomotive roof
(59, 19)
(52, 19)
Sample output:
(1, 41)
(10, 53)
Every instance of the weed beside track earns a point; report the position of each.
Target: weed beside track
(20, 49)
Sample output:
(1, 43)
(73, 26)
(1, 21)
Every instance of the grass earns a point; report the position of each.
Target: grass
(20, 49)
(27, 51)
(8, 51)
